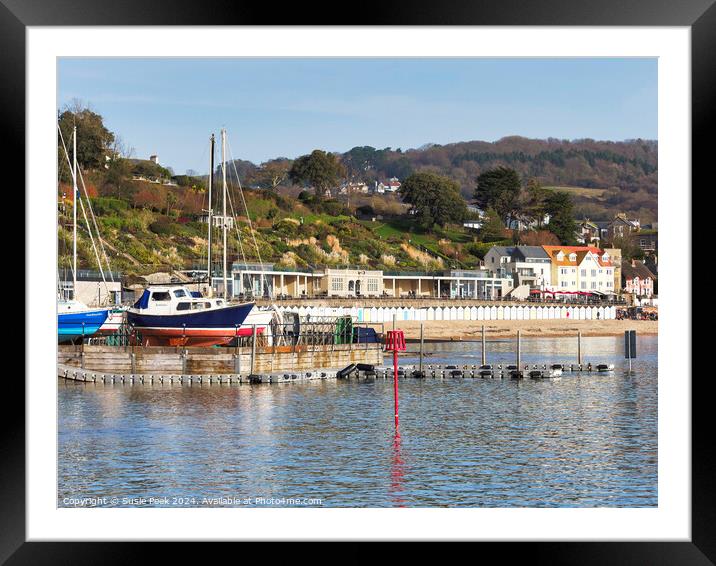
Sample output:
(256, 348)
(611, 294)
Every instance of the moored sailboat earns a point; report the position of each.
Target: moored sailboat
(75, 320)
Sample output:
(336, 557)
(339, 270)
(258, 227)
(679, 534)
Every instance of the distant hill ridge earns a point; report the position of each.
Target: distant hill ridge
(630, 165)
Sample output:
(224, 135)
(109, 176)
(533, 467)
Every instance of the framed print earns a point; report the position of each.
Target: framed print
(398, 280)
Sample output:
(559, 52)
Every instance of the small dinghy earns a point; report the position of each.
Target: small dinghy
(605, 368)
(514, 372)
(486, 371)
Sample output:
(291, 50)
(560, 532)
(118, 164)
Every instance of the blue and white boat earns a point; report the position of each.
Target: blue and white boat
(76, 321)
(171, 315)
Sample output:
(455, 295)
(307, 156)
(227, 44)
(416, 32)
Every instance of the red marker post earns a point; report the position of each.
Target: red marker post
(395, 342)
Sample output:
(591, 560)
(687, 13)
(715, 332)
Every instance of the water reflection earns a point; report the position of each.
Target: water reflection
(396, 473)
(587, 440)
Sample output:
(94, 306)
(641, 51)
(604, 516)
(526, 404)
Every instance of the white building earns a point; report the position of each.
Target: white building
(91, 289)
(525, 265)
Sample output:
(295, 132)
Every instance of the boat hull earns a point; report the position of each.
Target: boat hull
(72, 326)
(114, 321)
(202, 328)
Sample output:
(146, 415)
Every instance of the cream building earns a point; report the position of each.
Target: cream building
(581, 269)
(351, 283)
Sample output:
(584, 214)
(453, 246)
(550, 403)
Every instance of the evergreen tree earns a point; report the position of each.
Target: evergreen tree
(560, 208)
(434, 199)
(500, 189)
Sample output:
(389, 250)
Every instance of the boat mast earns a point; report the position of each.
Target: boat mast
(211, 183)
(74, 212)
(223, 223)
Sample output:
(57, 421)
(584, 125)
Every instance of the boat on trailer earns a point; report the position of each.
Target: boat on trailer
(170, 315)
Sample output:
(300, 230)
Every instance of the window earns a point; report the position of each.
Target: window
(583, 273)
(161, 296)
(184, 306)
(337, 284)
(178, 293)
(584, 285)
(564, 284)
(609, 283)
(594, 272)
(594, 284)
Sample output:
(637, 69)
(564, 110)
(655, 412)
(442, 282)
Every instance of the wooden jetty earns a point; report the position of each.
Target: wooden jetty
(141, 364)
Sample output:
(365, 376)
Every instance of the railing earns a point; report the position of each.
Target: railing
(410, 296)
(309, 331)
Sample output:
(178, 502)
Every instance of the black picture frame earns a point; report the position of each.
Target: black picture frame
(699, 15)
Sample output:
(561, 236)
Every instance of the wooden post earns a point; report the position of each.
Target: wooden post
(579, 347)
(253, 347)
(484, 353)
(519, 348)
(421, 348)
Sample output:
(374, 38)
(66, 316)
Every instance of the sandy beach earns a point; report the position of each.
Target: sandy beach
(471, 330)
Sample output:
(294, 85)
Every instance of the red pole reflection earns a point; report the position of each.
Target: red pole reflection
(397, 470)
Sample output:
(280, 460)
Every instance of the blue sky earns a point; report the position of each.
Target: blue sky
(288, 107)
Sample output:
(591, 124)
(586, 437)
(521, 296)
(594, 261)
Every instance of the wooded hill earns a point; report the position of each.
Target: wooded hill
(624, 175)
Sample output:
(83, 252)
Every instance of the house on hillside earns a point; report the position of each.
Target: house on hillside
(585, 269)
(621, 227)
(637, 279)
(588, 232)
(390, 186)
(648, 242)
(521, 222)
(353, 187)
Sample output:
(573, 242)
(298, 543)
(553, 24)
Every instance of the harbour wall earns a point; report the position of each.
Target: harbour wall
(385, 314)
(207, 361)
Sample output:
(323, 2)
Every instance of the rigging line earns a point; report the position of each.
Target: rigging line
(238, 233)
(248, 216)
(72, 269)
(236, 227)
(94, 221)
(60, 168)
(82, 206)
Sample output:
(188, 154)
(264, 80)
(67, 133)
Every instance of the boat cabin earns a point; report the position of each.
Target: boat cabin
(174, 299)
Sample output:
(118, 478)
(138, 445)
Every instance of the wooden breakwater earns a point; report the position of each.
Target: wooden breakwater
(208, 361)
